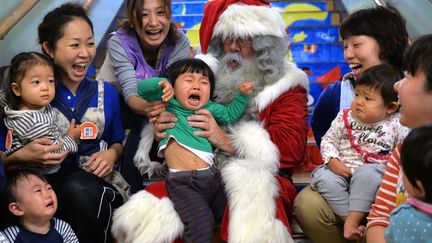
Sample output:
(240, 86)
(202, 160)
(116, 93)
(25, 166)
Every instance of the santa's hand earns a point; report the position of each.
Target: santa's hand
(164, 121)
(246, 87)
(210, 129)
(167, 90)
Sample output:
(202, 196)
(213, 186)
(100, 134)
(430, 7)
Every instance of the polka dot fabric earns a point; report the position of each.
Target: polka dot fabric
(407, 224)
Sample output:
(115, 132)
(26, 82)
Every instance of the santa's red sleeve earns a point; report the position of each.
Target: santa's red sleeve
(286, 121)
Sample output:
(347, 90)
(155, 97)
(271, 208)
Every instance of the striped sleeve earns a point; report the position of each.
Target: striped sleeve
(3, 238)
(69, 144)
(30, 126)
(65, 231)
(20, 125)
(39, 130)
(385, 200)
(11, 233)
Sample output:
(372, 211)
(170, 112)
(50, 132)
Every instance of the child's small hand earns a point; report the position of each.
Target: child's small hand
(348, 76)
(167, 90)
(246, 87)
(74, 130)
(339, 168)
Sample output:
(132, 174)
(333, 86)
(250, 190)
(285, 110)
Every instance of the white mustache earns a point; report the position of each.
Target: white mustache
(234, 56)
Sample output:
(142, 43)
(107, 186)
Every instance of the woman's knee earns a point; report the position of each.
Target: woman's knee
(310, 206)
(316, 218)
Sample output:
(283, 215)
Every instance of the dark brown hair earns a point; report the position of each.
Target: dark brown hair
(190, 65)
(418, 57)
(16, 71)
(382, 77)
(134, 21)
(416, 159)
(385, 25)
(52, 26)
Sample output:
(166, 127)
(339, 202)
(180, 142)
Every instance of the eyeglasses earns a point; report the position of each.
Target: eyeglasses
(239, 42)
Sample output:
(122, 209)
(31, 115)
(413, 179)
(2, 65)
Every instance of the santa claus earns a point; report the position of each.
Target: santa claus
(259, 153)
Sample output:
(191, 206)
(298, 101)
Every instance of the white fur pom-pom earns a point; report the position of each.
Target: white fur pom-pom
(210, 60)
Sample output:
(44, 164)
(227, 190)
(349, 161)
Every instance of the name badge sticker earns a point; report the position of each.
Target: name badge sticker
(89, 130)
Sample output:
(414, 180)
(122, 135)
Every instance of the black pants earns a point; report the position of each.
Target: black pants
(87, 203)
(200, 201)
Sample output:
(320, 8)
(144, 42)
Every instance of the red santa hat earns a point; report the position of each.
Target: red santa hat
(240, 19)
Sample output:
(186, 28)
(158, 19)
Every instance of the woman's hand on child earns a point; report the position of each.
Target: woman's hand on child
(101, 163)
(146, 108)
(155, 109)
(246, 87)
(167, 90)
(39, 151)
(164, 121)
(339, 168)
(74, 130)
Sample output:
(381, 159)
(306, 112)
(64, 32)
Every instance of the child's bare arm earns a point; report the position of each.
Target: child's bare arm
(246, 87)
(167, 90)
(74, 130)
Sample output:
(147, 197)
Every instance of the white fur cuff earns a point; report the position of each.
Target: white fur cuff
(146, 218)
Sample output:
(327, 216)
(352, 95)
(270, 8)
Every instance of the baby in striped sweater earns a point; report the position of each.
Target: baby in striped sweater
(29, 89)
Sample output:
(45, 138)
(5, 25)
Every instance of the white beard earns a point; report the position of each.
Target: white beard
(228, 80)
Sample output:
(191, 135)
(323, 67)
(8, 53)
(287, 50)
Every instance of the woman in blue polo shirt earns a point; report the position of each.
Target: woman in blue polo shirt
(86, 201)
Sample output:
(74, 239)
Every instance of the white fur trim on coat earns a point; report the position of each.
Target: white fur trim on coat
(293, 77)
(252, 187)
(146, 218)
(245, 21)
(142, 159)
(252, 141)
